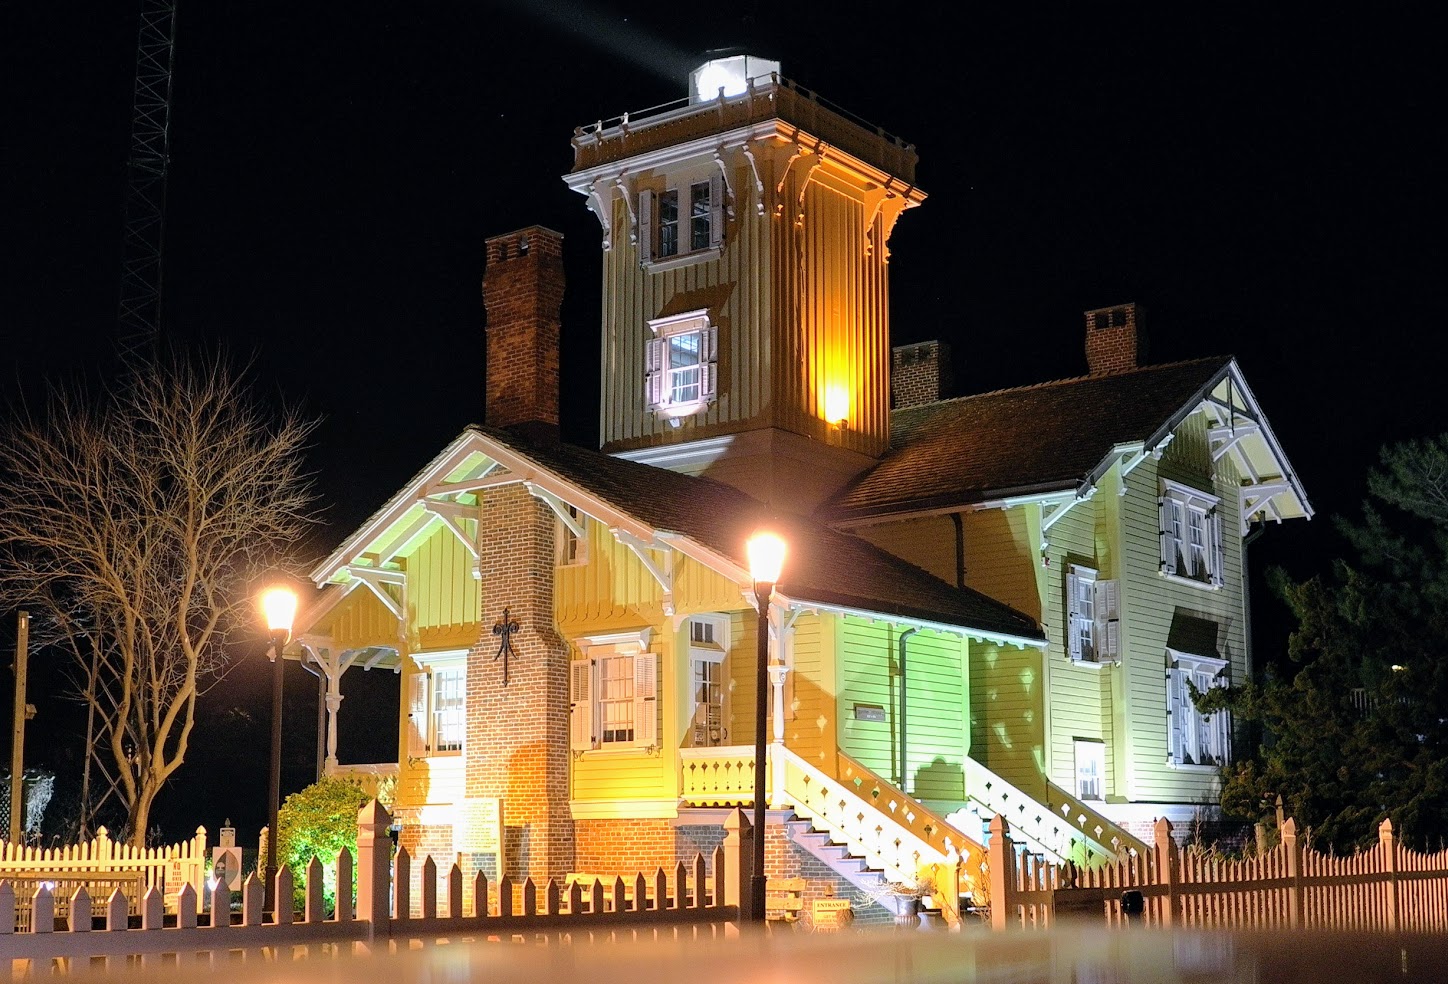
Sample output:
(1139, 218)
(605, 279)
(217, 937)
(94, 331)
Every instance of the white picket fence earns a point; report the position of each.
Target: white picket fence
(101, 866)
(385, 906)
(1291, 887)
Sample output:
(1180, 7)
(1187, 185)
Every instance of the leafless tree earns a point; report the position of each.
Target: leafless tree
(136, 524)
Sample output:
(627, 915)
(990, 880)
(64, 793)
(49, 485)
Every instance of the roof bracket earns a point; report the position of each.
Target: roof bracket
(374, 580)
(662, 572)
(453, 514)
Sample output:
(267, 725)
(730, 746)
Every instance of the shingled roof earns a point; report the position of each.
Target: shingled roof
(823, 566)
(1039, 438)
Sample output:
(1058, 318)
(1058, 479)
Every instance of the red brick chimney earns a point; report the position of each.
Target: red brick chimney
(919, 373)
(523, 295)
(1115, 341)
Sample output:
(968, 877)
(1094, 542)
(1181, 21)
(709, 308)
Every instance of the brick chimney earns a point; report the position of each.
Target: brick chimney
(523, 295)
(1115, 340)
(919, 373)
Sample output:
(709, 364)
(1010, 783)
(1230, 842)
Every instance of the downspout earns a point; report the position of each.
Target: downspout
(959, 549)
(904, 704)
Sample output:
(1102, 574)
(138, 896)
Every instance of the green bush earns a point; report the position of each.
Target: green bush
(320, 821)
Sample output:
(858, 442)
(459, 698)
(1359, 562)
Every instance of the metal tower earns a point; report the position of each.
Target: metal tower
(140, 309)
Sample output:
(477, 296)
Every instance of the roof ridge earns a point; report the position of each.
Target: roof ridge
(1048, 383)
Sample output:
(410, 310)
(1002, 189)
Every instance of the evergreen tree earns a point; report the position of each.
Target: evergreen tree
(1356, 726)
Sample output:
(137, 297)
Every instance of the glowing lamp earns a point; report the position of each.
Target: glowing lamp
(837, 405)
(279, 605)
(766, 557)
(732, 74)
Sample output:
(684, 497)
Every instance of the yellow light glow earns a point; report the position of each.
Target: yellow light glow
(279, 605)
(766, 557)
(837, 404)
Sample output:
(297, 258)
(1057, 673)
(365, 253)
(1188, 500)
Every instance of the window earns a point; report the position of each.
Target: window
(1195, 738)
(1090, 769)
(1093, 617)
(613, 698)
(684, 220)
(708, 650)
(437, 704)
(1191, 535)
(681, 364)
(572, 538)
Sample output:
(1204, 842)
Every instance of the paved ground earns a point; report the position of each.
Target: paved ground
(720, 955)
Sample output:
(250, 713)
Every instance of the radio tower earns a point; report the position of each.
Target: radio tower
(140, 310)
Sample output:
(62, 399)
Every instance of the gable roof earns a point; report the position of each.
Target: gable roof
(706, 520)
(1050, 437)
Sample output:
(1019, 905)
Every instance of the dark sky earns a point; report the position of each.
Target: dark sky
(1265, 183)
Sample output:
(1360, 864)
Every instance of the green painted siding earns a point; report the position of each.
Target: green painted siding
(1150, 600)
(937, 737)
(1007, 720)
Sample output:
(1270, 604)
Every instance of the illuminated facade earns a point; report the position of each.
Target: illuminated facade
(975, 616)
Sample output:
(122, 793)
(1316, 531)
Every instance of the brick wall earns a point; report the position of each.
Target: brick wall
(919, 373)
(626, 847)
(1115, 341)
(783, 858)
(523, 294)
(517, 742)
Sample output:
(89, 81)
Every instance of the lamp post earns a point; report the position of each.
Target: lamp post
(766, 558)
(279, 605)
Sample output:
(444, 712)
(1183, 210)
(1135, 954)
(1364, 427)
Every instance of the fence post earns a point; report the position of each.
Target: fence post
(1390, 874)
(738, 862)
(374, 867)
(1002, 873)
(1294, 873)
(1167, 873)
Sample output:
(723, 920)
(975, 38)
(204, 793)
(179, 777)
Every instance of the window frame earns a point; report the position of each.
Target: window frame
(713, 651)
(1184, 511)
(660, 392)
(1195, 733)
(570, 548)
(1097, 755)
(698, 225)
(639, 668)
(436, 668)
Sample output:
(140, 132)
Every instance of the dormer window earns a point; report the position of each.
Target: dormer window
(682, 223)
(681, 364)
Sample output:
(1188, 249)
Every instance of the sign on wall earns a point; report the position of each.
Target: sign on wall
(481, 837)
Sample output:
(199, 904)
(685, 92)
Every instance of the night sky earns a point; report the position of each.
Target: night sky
(1264, 183)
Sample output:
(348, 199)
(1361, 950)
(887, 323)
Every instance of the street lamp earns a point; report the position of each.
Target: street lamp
(766, 558)
(279, 605)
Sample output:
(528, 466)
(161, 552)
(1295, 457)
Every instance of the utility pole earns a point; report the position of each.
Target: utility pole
(23, 712)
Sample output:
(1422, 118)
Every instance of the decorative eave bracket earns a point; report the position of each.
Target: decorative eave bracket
(375, 580)
(662, 572)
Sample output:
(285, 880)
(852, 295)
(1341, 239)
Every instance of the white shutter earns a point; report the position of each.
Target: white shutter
(655, 351)
(716, 210)
(1073, 610)
(646, 226)
(417, 713)
(709, 363)
(1216, 551)
(646, 669)
(1108, 619)
(580, 712)
(1168, 547)
(1175, 717)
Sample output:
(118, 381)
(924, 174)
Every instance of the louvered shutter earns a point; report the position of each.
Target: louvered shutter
(1168, 544)
(1073, 612)
(646, 668)
(1175, 716)
(1108, 619)
(580, 711)
(716, 210)
(646, 226)
(655, 351)
(417, 713)
(1217, 550)
(709, 363)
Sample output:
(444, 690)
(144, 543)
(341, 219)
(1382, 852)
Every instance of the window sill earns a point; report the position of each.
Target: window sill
(1190, 581)
(1189, 768)
(683, 259)
(623, 752)
(1094, 664)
